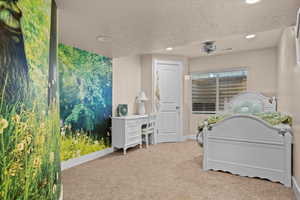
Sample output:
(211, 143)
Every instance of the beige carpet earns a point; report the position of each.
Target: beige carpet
(163, 172)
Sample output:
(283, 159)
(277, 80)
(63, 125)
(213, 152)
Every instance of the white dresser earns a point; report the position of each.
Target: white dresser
(126, 131)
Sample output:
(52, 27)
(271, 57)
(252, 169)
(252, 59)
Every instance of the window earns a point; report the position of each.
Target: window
(210, 91)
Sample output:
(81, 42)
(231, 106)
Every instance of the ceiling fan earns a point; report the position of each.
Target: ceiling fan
(209, 47)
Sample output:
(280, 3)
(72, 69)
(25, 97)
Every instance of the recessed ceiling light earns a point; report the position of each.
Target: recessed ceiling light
(251, 36)
(103, 38)
(169, 48)
(252, 1)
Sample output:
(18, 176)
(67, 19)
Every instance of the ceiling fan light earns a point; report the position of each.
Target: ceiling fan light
(252, 1)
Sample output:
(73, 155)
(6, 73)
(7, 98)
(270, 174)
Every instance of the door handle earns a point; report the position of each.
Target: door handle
(177, 107)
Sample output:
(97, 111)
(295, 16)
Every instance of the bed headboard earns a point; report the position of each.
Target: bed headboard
(251, 102)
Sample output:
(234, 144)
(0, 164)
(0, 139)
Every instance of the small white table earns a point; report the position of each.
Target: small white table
(126, 131)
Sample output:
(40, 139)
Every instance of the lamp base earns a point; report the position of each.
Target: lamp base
(142, 110)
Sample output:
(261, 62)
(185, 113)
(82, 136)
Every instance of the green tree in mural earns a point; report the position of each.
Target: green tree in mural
(14, 72)
(85, 86)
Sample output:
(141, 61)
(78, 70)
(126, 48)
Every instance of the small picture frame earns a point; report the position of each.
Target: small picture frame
(122, 110)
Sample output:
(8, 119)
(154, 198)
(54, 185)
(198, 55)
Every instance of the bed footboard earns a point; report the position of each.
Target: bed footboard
(247, 146)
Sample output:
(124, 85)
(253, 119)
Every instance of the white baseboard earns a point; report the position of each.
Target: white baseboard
(61, 193)
(189, 137)
(296, 188)
(83, 159)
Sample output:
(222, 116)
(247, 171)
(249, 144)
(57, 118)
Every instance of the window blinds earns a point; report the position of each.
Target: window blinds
(204, 94)
(211, 91)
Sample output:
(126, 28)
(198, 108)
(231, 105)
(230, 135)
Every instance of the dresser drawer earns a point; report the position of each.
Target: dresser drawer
(132, 124)
(132, 132)
(133, 140)
(132, 129)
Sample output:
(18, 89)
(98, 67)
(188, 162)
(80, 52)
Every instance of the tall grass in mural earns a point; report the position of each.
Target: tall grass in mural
(29, 128)
(29, 154)
(85, 101)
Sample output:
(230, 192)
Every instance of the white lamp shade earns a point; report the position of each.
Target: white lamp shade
(142, 96)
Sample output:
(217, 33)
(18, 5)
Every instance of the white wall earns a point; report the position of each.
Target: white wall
(126, 82)
(261, 66)
(289, 89)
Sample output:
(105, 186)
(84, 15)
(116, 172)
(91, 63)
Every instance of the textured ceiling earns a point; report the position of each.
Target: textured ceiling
(229, 44)
(146, 26)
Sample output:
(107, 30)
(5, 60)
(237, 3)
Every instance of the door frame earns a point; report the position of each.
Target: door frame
(155, 67)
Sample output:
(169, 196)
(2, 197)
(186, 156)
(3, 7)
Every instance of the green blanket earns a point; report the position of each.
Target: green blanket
(273, 118)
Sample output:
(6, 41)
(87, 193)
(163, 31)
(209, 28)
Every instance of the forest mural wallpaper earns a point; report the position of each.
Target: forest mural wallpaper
(85, 81)
(29, 124)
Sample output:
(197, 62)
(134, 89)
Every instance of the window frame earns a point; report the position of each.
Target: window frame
(237, 69)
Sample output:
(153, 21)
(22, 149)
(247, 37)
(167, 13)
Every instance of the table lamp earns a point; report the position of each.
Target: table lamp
(141, 98)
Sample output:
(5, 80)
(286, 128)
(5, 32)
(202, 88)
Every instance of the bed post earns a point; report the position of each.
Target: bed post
(274, 103)
(205, 146)
(288, 159)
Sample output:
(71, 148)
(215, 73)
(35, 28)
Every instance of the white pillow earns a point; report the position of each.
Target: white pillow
(248, 107)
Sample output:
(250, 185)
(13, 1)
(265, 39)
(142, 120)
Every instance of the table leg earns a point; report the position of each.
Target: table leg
(147, 140)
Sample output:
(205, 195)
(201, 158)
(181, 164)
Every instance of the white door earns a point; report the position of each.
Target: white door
(169, 110)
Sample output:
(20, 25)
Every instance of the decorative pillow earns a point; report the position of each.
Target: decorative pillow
(257, 108)
(245, 109)
(248, 107)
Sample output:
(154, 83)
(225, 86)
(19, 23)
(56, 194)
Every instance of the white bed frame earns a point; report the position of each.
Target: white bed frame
(247, 146)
